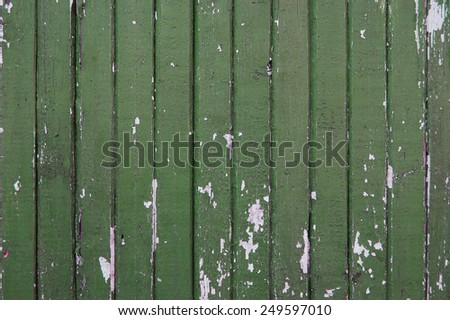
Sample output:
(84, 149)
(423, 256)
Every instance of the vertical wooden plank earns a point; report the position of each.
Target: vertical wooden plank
(134, 72)
(438, 27)
(173, 183)
(329, 180)
(17, 116)
(54, 244)
(251, 123)
(367, 154)
(212, 179)
(290, 191)
(95, 250)
(405, 172)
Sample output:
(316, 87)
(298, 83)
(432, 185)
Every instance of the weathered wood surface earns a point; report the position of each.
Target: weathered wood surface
(221, 76)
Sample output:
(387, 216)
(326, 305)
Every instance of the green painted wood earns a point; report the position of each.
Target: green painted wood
(290, 189)
(55, 255)
(94, 126)
(251, 112)
(368, 132)
(438, 24)
(406, 212)
(17, 116)
(328, 182)
(134, 72)
(173, 115)
(212, 234)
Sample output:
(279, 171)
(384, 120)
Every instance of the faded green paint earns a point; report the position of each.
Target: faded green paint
(94, 106)
(53, 117)
(367, 153)
(173, 114)
(406, 211)
(251, 116)
(134, 72)
(74, 78)
(439, 146)
(17, 160)
(212, 185)
(290, 188)
(329, 263)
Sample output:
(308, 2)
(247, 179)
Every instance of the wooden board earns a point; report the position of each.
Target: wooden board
(17, 161)
(290, 187)
(405, 104)
(55, 263)
(251, 122)
(438, 166)
(173, 184)
(367, 149)
(95, 247)
(329, 216)
(134, 87)
(212, 180)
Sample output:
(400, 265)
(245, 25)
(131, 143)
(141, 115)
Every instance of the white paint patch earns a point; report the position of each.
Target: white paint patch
(147, 204)
(371, 157)
(222, 245)
(204, 287)
(286, 287)
(390, 177)
(9, 6)
(435, 18)
(219, 48)
(112, 252)
(330, 292)
(1, 130)
(416, 31)
(368, 291)
(440, 284)
(378, 246)
(207, 190)
(242, 185)
(17, 185)
(304, 260)
(214, 136)
(250, 267)
(314, 195)
(266, 199)
(248, 246)
(362, 33)
(83, 193)
(134, 22)
(154, 220)
(105, 266)
(256, 215)
(229, 139)
(359, 249)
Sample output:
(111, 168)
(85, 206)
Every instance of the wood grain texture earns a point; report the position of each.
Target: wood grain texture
(367, 143)
(406, 213)
(55, 255)
(134, 74)
(329, 256)
(95, 100)
(438, 27)
(173, 115)
(290, 189)
(17, 114)
(251, 123)
(212, 67)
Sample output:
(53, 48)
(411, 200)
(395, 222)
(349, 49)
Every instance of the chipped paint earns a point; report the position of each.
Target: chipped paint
(435, 19)
(362, 34)
(358, 248)
(209, 191)
(112, 252)
(256, 215)
(330, 292)
(147, 204)
(248, 245)
(105, 267)
(313, 195)
(229, 139)
(389, 177)
(8, 6)
(286, 287)
(154, 220)
(417, 30)
(304, 260)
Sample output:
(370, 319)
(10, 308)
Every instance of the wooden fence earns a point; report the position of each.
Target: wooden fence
(326, 130)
